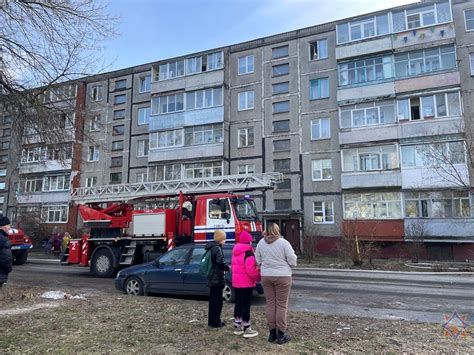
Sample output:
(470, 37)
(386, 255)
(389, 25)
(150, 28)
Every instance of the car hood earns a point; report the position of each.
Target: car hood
(136, 268)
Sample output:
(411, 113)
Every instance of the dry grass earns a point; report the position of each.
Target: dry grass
(125, 324)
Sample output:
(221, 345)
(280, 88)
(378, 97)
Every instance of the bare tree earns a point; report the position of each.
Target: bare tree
(416, 233)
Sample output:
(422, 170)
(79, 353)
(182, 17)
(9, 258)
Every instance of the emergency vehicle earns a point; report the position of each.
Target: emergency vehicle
(21, 243)
(122, 233)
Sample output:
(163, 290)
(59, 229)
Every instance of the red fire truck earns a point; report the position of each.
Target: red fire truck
(20, 245)
(122, 233)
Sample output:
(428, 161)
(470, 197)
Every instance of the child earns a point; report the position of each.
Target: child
(244, 278)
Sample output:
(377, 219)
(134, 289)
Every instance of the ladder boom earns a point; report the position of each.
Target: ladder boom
(126, 192)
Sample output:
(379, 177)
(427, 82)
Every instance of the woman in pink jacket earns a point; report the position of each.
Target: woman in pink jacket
(245, 276)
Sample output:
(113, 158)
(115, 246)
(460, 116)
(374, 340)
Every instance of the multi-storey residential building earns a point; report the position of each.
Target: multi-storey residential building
(368, 118)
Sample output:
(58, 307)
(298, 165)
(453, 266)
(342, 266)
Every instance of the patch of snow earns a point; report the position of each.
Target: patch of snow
(60, 295)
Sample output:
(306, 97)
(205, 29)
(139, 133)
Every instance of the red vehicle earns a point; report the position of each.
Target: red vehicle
(20, 245)
(122, 235)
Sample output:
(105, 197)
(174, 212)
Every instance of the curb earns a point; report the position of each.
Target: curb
(305, 269)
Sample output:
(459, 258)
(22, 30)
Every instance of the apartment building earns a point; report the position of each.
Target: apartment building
(368, 118)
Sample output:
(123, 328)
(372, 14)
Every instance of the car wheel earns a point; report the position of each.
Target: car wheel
(20, 257)
(102, 265)
(228, 293)
(134, 286)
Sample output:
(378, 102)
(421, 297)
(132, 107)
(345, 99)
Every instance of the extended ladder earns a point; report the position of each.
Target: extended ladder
(126, 192)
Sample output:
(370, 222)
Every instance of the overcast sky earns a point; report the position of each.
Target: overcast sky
(156, 29)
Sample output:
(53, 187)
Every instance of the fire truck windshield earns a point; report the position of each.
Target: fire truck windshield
(245, 209)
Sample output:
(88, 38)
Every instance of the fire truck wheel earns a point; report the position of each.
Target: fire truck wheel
(102, 264)
(228, 293)
(134, 286)
(20, 257)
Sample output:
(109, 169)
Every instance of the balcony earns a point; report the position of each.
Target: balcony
(186, 153)
(189, 82)
(369, 133)
(424, 35)
(364, 91)
(366, 47)
(427, 81)
(187, 118)
(44, 197)
(441, 230)
(375, 230)
(45, 166)
(430, 177)
(369, 179)
(431, 127)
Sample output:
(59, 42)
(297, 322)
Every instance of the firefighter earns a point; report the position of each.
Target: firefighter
(216, 281)
(5, 250)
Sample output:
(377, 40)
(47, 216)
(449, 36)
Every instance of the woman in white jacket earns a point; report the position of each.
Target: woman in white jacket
(275, 257)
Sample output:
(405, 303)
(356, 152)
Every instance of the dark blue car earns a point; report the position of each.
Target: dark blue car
(176, 272)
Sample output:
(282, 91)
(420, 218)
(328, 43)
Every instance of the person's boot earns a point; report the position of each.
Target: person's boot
(272, 337)
(282, 338)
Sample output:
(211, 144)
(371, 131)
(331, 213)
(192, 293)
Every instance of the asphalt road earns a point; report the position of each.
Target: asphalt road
(421, 297)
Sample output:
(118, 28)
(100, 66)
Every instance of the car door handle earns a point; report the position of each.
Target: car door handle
(178, 270)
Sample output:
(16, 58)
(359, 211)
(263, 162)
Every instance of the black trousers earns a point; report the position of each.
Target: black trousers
(243, 300)
(215, 305)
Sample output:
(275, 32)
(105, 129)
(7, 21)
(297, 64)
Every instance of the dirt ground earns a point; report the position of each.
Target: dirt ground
(126, 324)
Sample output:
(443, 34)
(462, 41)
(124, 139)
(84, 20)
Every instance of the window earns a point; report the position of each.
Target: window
(318, 49)
(426, 15)
(2, 200)
(200, 170)
(91, 181)
(361, 115)
(471, 61)
(372, 205)
(281, 205)
(437, 204)
(141, 177)
(280, 107)
(120, 84)
(281, 88)
(469, 17)
(68, 119)
(3, 172)
(320, 129)
(206, 134)
(281, 126)
(55, 214)
(164, 172)
(115, 178)
(282, 69)
(2, 186)
(5, 145)
(3, 158)
(246, 64)
(215, 61)
(323, 212)
(116, 162)
(93, 154)
(144, 115)
(246, 137)
(282, 145)
(174, 257)
(383, 157)
(204, 98)
(96, 93)
(118, 130)
(322, 169)
(56, 183)
(360, 29)
(246, 169)
(279, 52)
(282, 165)
(425, 61)
(31, 184)
(365, 70)
(430, 106)
(219, 209)
(284, 185)
(434, 154)
(196, 256)
(193, 65)
(117, 145)
(246, 100)
(318, 88)
(120, 99)
(145, 84)
(119, 114)
(142, 148)
(168, 104)
(166, 139)
(7, 119)
(33, 154)
(94, 124)
(171, 70)
(7, 132)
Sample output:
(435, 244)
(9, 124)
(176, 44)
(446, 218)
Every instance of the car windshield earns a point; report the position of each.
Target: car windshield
(245, 209)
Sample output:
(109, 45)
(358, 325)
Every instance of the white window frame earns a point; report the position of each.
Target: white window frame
(91, 181)
(317, 44)
(433, 198)
(54, 182)
(436, 113)
(3, 172)
(167, 97)
(177, 138)
(46, 210)
(96, 93)
(141, 178)
(465, 20)
(248, 59)
(317, 169)
(147, 113)
(377, 200)
(248, 99)
(244, 169)
(245, 133)
(419, 156)
(142, 148)
(217, 59)
(199, 133)
(167, 76)
(366, 115)
(318, 121)
(195, 63)
(95, 150)
(323, 211)
(471, 62)
(319, 86)
(145, 84)
(386, 65)
(209, 167)
(94, 123)
(377, 152)
(193, 96)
